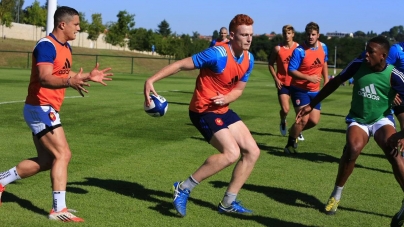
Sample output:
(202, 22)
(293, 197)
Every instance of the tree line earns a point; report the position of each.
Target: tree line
(123, 33)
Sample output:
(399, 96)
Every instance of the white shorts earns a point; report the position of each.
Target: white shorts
(372, 128)
(41, 119)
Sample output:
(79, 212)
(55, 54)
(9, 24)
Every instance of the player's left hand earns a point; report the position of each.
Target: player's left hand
(397, 100)
(219, 100)
(396, 142)
(99, 76)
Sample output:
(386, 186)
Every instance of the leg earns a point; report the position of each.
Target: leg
(283, 99)
(356, 139)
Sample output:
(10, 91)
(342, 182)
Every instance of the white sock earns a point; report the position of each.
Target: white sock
(189, 183)
(337, 192)
(228, 199)
(59, 200)
(9, 176)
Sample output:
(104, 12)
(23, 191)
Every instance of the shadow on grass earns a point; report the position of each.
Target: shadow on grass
(179, 103)
(316, 157)
(8, 197)
(264, 134)
(137, 191)
(333, 115)
(343, 131)
(291, 197)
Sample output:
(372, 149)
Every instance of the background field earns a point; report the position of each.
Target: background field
(124, 162)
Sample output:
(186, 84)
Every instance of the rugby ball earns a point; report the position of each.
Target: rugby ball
(158, 106)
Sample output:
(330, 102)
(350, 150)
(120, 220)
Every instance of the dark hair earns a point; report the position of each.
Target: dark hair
(312, 26)
(240, 19)
(63, 14)
(382, 41)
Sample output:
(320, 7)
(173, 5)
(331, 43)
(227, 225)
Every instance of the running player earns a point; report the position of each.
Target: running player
(50, 76)
(375, 86)
(222, 38)
(223, 75)
(396, 58)
(281, 55)
(307, 64)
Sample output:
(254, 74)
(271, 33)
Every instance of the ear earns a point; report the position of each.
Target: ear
(231, 35)
(62, 25)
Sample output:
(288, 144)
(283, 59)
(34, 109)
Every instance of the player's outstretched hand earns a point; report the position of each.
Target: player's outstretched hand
(148, 87)
(302, 112)
(77, 82)
(99, 76)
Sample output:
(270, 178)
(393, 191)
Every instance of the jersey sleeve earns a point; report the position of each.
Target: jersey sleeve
(214, 58)
(296, 59)
(325, 48)
(397, 82)
(393, 55)
(351, 69)
(250, 68)
(44, 52)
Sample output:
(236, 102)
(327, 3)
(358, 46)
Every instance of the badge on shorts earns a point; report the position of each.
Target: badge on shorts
(219, 121)
(297, 101)
(52, 116)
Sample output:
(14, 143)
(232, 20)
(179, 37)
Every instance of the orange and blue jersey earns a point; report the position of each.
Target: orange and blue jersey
(219, 72)
(282, 62)
(218, 42)
(396, 56)
(50, 51)
(308, 61)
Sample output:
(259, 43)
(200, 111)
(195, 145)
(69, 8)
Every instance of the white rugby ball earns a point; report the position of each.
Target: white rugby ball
(158, 106)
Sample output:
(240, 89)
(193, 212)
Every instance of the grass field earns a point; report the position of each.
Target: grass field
(125, 162)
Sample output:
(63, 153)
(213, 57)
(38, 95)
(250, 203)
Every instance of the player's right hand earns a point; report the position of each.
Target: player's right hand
(303, 112)
(314, 79)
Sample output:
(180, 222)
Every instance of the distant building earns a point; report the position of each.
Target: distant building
(338, 34)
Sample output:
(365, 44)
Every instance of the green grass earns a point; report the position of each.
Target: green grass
(124, 162)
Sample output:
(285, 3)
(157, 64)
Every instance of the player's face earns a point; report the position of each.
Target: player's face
(241, 38)
(375, 55)
(288, 36)
(223, 34)
(312, 37)
(72, 27)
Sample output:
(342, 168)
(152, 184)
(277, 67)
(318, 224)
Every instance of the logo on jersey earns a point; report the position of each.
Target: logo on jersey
(287, 60)
(369, 92)
(66, 68)
(52, 116)
(218, 121)
(233, 81)
(316, 64)
(297, 101)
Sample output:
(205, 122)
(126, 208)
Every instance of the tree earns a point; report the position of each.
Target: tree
(18, 13)
(118, 31)
(96, 27)
(164, 29)
(195, 35)
(36, 16)
(6, 7)
(359, 34)
(215, 35)
(262, 56)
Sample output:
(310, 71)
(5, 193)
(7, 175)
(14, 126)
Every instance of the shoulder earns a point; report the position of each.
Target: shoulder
(45, 42)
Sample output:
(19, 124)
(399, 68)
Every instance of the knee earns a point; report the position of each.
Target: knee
(285, 109)
(351, 153)
(232, 155)
(64, 156)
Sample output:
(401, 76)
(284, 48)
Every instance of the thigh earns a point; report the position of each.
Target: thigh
(357, 136)
(383, 129)
(243, 137)
(284, 100)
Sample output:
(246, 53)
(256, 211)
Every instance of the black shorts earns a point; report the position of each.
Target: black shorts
(398, 109)
(209, 123)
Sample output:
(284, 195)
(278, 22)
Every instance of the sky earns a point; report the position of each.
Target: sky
(206, 16)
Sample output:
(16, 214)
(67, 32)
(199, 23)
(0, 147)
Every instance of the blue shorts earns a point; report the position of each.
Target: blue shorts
(209, 123)
(285, 90)
(301, 97)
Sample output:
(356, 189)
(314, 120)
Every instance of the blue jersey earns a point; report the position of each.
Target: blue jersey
(396, 56)
(215, 58)
(299, 53)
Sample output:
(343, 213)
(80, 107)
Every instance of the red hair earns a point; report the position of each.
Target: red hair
(240, 19)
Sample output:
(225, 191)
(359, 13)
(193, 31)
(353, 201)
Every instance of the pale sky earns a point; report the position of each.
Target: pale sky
(205, 16)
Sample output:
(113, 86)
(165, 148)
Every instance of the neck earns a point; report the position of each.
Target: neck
(311, 45)
(289, 44)
(380, 67)
(236, 53)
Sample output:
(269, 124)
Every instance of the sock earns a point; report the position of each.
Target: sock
(228, 199)
(59, 200)
(9, 176)
(189, 183)
(291, 141)
(337, 192)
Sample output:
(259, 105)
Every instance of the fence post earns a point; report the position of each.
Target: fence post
(96, 59)
(169, 59)
(131, 69)
(28, 60)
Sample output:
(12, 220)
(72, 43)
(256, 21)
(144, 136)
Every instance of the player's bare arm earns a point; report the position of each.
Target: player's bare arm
(325, 73)
(184, 64)
(271, 66)
(232, 96)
